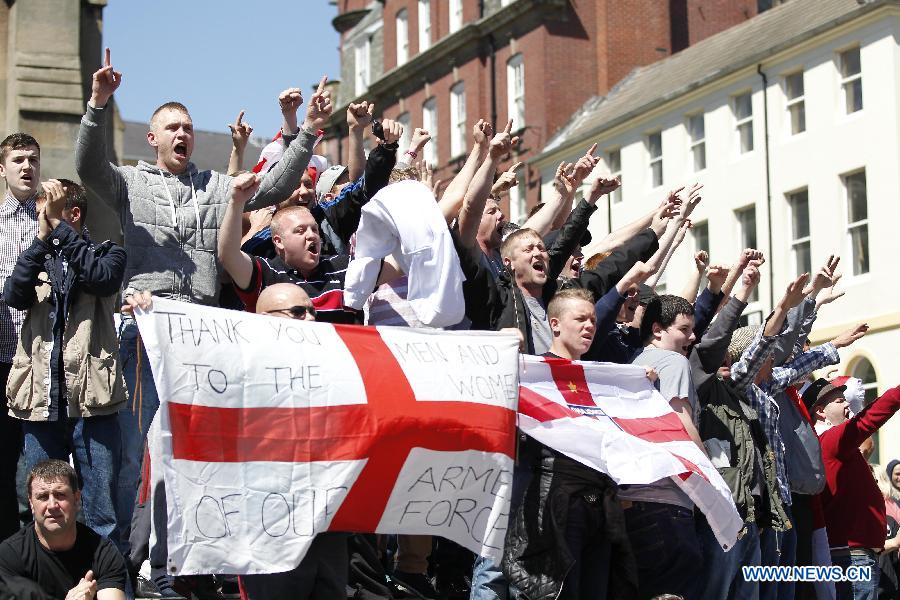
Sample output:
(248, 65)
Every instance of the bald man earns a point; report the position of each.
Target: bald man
(286, 300)
(323, 571)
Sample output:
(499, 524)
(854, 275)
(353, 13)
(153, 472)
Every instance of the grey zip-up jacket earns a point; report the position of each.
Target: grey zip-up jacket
(171, 222)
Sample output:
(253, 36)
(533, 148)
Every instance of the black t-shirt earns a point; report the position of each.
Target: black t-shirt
(58, 572)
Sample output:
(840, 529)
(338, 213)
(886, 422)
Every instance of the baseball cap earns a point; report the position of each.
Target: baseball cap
(327, 178)
(817, 390)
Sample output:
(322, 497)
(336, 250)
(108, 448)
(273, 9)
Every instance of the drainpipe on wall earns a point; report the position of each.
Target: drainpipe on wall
(765, 82)
(609, 213)
(493, 60)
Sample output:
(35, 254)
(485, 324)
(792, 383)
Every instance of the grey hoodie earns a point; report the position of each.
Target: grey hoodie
(171, 222)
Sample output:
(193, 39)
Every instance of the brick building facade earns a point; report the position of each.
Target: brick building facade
(443, 64)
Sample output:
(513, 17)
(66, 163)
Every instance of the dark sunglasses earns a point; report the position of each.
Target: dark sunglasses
(296, 312)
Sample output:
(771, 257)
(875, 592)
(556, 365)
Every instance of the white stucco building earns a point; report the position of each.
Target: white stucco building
(791, 121)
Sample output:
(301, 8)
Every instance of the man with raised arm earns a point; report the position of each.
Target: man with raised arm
(854, 507)
(298, 243)
(170, 214)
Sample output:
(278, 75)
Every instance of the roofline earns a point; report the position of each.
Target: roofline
(766, 56)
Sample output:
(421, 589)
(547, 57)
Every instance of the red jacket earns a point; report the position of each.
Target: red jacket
(854, 506)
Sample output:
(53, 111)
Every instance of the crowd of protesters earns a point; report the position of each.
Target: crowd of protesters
(80, 391)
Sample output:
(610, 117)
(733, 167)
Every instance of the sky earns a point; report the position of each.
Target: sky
(218, 57)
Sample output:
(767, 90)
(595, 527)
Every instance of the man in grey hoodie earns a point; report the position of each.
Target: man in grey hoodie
(171, 214)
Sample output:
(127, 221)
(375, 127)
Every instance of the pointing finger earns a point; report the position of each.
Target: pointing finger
(515, 167)
(237, 122)
(322, 83)
(591, 150)
(107, 59)
(508, 128)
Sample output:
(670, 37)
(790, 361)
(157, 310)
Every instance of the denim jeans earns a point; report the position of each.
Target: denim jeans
(664, 540)
(95, 446)
(134, 422)
(723, 577)
(488, 582)
(857, 590)
(778, 548)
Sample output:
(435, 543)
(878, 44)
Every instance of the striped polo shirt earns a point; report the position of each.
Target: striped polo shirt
(325, 285)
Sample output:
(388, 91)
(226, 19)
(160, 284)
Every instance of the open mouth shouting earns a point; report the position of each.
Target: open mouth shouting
(538, 265)
(180, 151)
(313, 247)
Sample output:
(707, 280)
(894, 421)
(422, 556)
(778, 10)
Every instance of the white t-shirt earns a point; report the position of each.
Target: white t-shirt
(674, 381)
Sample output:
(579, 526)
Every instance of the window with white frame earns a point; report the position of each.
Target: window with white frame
(424, 25)
(754, 318)
(456, 14)
(800, 239)
(457, 119)
(614, 164)
(654, 150)
(700, 235)
(857, 221)
(662, 286)
(746, 218)
(402, 37)
(405, 121)
(430, 124)
(361, 53)
(696, 127)
(865, 372)
(515, 91)
(851, 79)
(700, 240)
(743, 121)
(796, 105)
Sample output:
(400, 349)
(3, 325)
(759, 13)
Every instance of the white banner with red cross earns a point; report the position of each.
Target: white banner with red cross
(272, 430)
(611, 418)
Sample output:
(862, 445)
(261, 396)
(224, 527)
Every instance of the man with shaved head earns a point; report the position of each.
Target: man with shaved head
(323, 571)
(171, 214)
(298, 243)
(286, 300)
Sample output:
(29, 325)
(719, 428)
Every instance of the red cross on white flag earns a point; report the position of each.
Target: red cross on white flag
(272, 430)
(609, 417)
